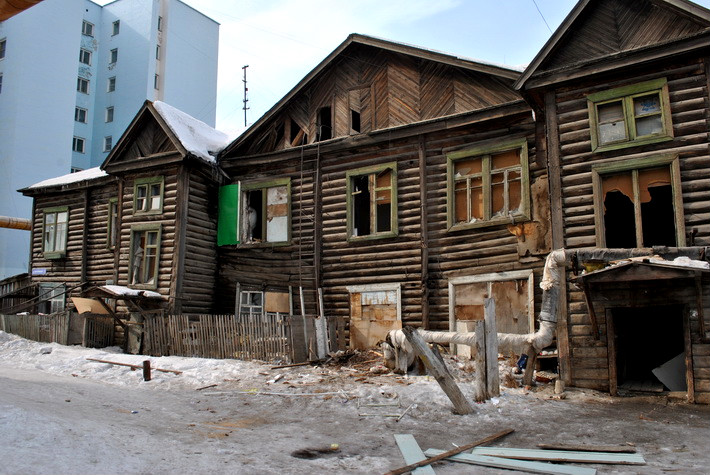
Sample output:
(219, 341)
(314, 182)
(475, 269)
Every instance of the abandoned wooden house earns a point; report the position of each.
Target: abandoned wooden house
(621, 92)
(397, 185)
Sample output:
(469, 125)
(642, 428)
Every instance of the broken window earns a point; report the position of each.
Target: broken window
(360, 109)
(55, 232)
(266, 212)
(488, 185)
(148, 195)
(298, 134)
(630, 115)
(372, 201)
(145, 255)
(638, 208)
(251, 303)
(52, 298)
(324, 124)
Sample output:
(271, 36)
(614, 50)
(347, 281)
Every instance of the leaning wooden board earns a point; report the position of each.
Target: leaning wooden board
(561, 455)
(512, 464)
(412, 453)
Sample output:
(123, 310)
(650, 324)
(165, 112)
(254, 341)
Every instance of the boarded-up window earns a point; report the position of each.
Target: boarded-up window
(373, 313)
(266, 212)
(488, 184)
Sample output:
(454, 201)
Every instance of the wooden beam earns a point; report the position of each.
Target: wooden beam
(530, 366)
(480, 391)
(561, 455)
(412, 453)
(611, 353)
(491, 336)
(444, 455)
(590, 309)
(689, 373)
(424, 232)
(700, 306)
(624, 449)
(517, 465)
(437, 369)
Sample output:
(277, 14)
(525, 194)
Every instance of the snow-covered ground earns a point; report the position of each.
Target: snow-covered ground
(60, 413)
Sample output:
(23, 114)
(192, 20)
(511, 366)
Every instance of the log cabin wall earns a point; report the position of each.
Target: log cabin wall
(272, 267)
(199, 270)
(688, 92)
(100, 256)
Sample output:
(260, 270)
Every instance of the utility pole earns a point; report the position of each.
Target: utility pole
(244, 68)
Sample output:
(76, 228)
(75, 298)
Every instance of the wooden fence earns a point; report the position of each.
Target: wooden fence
(45, 328)
(264, 337)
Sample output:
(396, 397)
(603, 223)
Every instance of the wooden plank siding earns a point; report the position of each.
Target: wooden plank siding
(688, 92)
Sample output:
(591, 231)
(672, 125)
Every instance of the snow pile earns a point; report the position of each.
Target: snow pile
(88, 174)
(196, 136)
(682, 261)
(120, 290)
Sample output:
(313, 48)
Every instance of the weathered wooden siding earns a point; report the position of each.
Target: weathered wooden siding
(166, 219)
(273, 267)
(197, 294)
(100, 259)
(67, 270)
(687, 84)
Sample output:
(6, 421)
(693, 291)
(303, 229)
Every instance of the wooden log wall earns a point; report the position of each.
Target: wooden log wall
(197, 293)
(166, 219)
(100, 259)
(690, 112)
(257, 267)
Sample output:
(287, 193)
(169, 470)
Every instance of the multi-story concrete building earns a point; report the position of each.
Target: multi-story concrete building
(72, 75)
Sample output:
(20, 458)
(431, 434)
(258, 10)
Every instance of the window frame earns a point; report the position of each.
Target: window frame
(87, 28)
(264, 186)
(485, 150)
(160, 23)
(140, 182)
(3, 47)
(111, 84)
(80, 82)
(109, 114)
(627, 94)
(55, 253)
(1, 75)
(116, 27)
(156, 82)
(394, 208)
(145, 228)
(635, 165)
(108, 144)
(113, 56)
(78, 112)
(75, 144)
(85, 56)
(112, 224)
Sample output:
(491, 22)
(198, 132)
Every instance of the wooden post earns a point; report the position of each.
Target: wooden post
(424, 232)
(146, 370)
(321, 329)
(238, 303)
(480, 393)
(530, 366)
(689, 373)
(611, 352)
(438, 370)
(491, 335)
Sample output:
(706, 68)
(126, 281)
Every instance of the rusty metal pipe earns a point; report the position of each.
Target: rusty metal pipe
(15, 223)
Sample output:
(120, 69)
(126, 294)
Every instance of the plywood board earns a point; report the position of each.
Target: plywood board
(84, 305)
(412, 453)
(520, 465)
(277, 302)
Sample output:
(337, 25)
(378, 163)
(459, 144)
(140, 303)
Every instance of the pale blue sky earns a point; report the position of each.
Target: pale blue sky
(282, 40)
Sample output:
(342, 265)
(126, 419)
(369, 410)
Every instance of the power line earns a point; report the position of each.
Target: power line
(542, 16)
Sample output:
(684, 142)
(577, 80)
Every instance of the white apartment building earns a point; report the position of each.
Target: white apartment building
(72, 76)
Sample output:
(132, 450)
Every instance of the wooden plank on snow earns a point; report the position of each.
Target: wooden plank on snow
(561, 455)
(412, 453)
(512, 464)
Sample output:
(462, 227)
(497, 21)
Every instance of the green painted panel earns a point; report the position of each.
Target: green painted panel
(228, 219)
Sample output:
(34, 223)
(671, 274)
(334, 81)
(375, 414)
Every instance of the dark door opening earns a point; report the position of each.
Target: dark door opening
(642, 339)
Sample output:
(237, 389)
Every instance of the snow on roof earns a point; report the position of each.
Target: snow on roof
(88, 174)
(119, 290)
(196, 136)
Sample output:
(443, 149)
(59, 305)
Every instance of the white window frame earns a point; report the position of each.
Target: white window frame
(157, 52)
(83, 85)
(156, 82)
(160, 23)
(3, 47)
(87, 29)
(493, 277)
(108, 116)
(85, 56)
(78, 144)
(108, 143)
(111, 84)
(113, 56)
(116, 28)
(78, 112)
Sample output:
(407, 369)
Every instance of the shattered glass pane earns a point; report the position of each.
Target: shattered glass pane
(649, 125)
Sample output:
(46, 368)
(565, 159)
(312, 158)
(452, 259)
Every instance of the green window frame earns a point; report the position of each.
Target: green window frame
(144, 260)
(371, 202)
(112, 224)
(635, 167)
(629, 116)
(55, 232)
(266, 213)
(148, 195)
(485, 182)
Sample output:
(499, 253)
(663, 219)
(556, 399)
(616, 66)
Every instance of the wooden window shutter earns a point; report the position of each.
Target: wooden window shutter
(228, 219)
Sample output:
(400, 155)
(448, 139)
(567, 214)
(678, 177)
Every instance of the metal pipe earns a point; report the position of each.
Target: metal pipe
(15, 223)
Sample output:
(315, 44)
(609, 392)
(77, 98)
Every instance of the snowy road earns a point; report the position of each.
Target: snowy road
(60, 414)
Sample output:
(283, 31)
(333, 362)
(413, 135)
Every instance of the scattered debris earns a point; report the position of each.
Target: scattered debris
(135, 366)
(562, 455)
(627, 449)
(206, 387)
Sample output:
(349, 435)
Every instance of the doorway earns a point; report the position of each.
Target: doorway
(641, 340)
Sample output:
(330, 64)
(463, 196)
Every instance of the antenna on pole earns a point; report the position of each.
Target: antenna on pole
(244, 68)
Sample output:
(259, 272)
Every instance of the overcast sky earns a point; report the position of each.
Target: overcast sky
(282, 40)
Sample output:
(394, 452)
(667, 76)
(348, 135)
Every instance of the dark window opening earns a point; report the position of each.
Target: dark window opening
(325, 126)
(298, 135)
(619, 221)
(361, 205)
(646, 338)
(355, 121)
(254, 215)
(279, 135)
(657, 217)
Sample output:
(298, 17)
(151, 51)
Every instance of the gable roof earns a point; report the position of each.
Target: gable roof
(574, 22)
(502, 72)
(189, 136)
